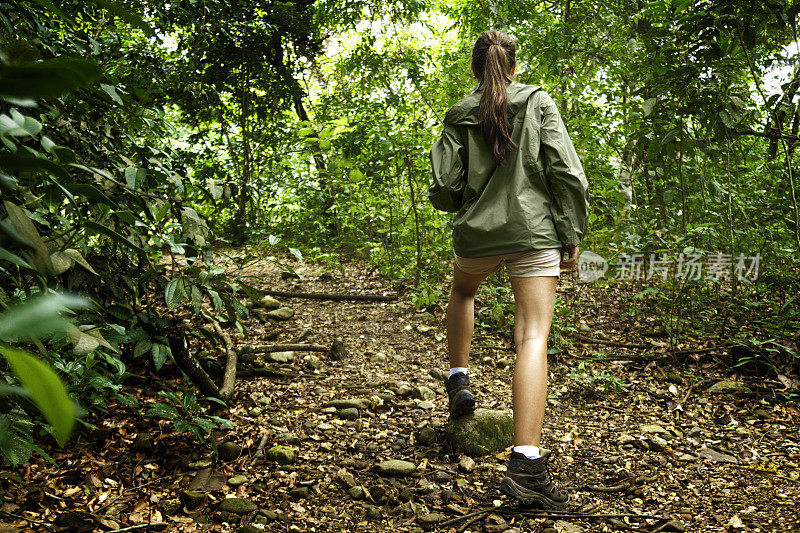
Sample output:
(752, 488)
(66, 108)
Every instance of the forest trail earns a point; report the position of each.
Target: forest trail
(663, 455)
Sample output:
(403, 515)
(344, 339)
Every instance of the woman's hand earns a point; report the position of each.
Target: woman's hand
(573, 252)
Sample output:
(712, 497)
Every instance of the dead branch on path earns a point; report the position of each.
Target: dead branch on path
(231, 360)
(272, 348)
(188, 363)
(332, 296)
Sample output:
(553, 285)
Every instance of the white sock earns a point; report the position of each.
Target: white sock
(531, 452)
(457, 369)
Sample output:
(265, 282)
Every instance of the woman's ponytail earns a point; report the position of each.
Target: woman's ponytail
(493, 60)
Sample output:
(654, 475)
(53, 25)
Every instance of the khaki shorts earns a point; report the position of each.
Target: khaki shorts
(518, 265)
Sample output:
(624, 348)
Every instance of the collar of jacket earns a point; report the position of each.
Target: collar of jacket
(465, 112)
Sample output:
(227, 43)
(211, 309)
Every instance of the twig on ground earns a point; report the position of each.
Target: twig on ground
(271, 348)
(139, 526)
(260, 449)
(330, 296)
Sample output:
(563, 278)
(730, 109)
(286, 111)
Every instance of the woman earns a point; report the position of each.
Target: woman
(506, 166)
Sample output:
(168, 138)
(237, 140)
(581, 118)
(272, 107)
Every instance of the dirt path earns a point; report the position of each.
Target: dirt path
(663, 454)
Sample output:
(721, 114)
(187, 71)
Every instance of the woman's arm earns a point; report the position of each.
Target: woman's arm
(564, 172)
(446, 193)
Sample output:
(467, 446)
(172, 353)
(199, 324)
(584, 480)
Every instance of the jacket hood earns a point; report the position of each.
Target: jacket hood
(465, 111)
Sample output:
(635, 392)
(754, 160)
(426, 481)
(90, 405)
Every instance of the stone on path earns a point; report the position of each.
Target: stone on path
(467, 464)
(281, 313)
(728, 387)
(238, 506)
(192, 498)
(235, 481)
(395, 467)
(229, 451)
(281, 357)
(357, 403)
(484, 432)
(266, 302)
(423, 393)
(338, 351)
(282, 454)
(717, 457)
(349, 413)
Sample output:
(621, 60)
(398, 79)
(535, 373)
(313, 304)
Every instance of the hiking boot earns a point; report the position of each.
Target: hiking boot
(530, 482)
(461, 400)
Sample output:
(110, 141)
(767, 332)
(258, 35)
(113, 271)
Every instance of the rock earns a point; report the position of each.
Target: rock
(495, 524)
(481, 433)
(349, 413)
(356, 492)
(192, 498)
(626, 439)
(313, 362)
(282, 454)
(426, 317)
(338, 351)
(437, 374)
(229, 451)
(425, 404)
(657, 443)
(427, 436)
(260, 398)
(255, 412)
(562, 526)
(235, 481)
(677, 379)
(403, 390)
(142, 443)
(467, 464)
(674, 525)
(298, 492)
(652, 428)
(405, 495)
(379, 359)
(395, 467)
(170, 506)
(372, 513)
(357, 403)
(432, 518)
(423, 393)
(728, 387)
(281, 357)
(268, 302)
(237, 506)
(717, 457)
(200, 464)
(610, 460)
(281, 313)
(686, 458)
(440, 476)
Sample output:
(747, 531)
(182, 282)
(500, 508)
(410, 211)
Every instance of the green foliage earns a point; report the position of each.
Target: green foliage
(39, 386)
(584, 374)
(188, 416)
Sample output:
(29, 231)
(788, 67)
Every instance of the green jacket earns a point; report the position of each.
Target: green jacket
(538, 199)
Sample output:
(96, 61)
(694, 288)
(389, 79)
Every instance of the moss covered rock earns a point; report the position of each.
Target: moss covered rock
(484, 432)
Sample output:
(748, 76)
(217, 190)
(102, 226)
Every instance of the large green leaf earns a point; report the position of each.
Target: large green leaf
(47, 79)
(174, 292)
(114, 236)
(38, 317)
(131, 18)
(45, 389)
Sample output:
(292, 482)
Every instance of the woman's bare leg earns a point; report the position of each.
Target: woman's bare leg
(534, 300)
(461, 315)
